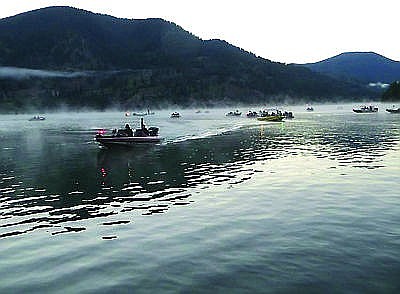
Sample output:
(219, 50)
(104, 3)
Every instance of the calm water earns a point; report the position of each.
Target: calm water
(223, 205)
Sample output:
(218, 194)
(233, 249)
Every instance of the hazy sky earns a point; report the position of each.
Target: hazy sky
(287, 31)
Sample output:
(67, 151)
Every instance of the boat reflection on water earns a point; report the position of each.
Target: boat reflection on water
(118, 164)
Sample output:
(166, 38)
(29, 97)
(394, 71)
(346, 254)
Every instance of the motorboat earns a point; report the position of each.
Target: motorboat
(148, 112)
(175, 115)
(393, 110)
(37, 118)
(139, 113)
(128, 137)
(252, 114)
(271, 117)
(366, 109)
(271, 114)
(234, 113)
(288, 115)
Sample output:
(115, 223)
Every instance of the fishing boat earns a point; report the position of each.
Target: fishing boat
(366, 109)
(148, 112)
(393, 110)
(252, 114)
(273, 118)
(37, 118)
(234, 113)
(288, 115)
(128, 137)
(271, 114)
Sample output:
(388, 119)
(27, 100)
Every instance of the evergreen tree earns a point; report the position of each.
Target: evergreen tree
(392, 93)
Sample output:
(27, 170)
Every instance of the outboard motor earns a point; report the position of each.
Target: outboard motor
(153, 131)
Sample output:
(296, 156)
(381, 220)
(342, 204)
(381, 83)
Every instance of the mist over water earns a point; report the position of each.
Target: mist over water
(26, 73)
(223, 204)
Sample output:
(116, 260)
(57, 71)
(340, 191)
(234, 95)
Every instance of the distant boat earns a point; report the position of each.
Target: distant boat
(271, 114)
(273, 118)
(234, 113)
(288, 114)
(393, 110)
(139, 113)
(366, 109)
(37, 118)
(310, 108)
(148, 112)
(252, 114)
(175, 115)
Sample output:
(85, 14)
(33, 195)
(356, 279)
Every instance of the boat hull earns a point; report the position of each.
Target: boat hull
(393, 110)
(271, 118)
(37, 119)
(365, 111)
(126, 141)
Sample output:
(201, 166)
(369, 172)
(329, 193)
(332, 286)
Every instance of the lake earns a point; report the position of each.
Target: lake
(222, 205)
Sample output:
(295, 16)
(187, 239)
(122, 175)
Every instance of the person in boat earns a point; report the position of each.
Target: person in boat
(128, 130)
(143, 127)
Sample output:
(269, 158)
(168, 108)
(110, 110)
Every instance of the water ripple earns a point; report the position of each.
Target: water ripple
(52, 194)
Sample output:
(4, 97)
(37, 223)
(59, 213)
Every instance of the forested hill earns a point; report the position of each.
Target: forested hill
(64, 37)
(368, 67)
(141, 62)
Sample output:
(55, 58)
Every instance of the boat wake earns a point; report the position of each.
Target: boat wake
(206, 134)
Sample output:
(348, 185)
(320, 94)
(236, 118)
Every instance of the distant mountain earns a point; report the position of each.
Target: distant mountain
(367, 67)
(133, 63)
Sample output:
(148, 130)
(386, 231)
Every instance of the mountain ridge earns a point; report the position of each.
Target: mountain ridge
(155, 61)
(367, 67)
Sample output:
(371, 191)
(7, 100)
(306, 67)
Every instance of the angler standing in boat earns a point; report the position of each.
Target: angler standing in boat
(128, 130)
(143, 127)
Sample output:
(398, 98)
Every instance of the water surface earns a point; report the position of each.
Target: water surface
(221, 205)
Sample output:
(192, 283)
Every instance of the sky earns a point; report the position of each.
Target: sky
(287, 31)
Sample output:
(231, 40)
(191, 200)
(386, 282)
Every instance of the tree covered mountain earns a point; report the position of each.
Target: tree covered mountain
(136, 63)
(367, 67)
(392, 93)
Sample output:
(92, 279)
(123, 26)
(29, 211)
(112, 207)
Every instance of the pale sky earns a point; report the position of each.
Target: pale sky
(288, 31)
